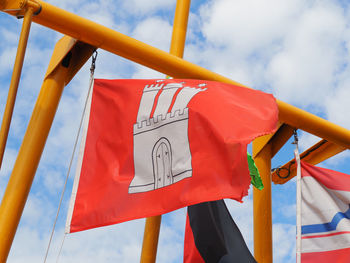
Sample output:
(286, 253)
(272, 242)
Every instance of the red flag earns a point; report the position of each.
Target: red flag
(153, 146)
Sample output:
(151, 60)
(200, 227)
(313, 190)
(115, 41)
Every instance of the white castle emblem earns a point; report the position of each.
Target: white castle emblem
(161, 149)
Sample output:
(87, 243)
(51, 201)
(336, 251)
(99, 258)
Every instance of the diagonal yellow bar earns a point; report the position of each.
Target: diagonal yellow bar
(28, 158)
(18, 187)
(317, 153)
(16, 75)
(122, 45)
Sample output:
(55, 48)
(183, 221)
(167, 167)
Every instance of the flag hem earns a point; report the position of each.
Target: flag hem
(79, 165)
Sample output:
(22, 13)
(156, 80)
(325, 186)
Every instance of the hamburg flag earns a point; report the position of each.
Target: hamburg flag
(325, 214)
(212, 236)
(153, 146)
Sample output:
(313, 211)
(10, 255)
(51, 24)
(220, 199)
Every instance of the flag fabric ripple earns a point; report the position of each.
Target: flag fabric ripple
(325, 230)
(153, 146)
(211, 236)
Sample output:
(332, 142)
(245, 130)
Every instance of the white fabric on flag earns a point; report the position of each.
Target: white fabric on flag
(325, 215)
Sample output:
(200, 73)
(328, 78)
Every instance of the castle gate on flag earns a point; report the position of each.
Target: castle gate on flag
(325, 215)
(161, 149)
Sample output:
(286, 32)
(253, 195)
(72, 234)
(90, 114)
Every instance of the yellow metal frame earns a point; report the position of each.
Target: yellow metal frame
(16, 75)
(319, 152)
(68, 59)
(82, 37)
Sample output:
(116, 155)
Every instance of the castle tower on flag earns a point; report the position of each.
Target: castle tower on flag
(162, 153)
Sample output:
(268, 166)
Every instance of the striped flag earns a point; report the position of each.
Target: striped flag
(325, 215)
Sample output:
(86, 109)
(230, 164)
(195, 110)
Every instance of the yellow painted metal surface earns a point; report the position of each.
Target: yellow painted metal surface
(319, 152)
(62, 47)
(150, 239)
(276, 140)
(100, 36)
(280, 138)
(16, 75)
(263, 140)
(313, 124)
(262, 206)
(33, 144)
(11, 4)
(18, 7)
(178, 38)
(28, 158)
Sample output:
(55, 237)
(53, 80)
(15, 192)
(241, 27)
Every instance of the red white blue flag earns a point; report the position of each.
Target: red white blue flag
(325, 215)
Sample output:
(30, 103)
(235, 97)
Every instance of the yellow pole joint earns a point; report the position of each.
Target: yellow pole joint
(16, 75)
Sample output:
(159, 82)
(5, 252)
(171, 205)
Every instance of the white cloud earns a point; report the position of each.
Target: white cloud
(283, 243)
(247, 26)
(154, 31)
(338, 106)
(304, 71)
(143, 6)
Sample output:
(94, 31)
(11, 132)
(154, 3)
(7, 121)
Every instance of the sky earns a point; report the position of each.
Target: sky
(298, 50)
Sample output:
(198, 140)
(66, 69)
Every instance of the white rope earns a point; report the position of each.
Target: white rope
(92, 71)
(298, 200)
(61, 246)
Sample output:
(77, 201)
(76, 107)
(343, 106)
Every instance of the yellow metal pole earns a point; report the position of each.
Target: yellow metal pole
(262, 210)
(150, 239)
(127, 47)
(28, 158)
(68, 57)
(178, 39)
(16, 75)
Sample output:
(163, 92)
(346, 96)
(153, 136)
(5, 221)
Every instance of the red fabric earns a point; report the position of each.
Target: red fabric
(222, 120)
(329, 178)
(334, 256)
(191, 254)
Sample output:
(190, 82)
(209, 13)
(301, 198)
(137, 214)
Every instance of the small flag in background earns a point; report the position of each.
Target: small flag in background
(325, 214)
(211, 236)
(153, 146)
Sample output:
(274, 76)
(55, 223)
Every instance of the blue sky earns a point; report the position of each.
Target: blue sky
(297, 50)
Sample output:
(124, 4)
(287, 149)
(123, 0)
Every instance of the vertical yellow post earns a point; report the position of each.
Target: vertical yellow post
(28, 158)
(150, 239)
(16, 75)
(178, 39)
(262, 206)
(68, 57)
